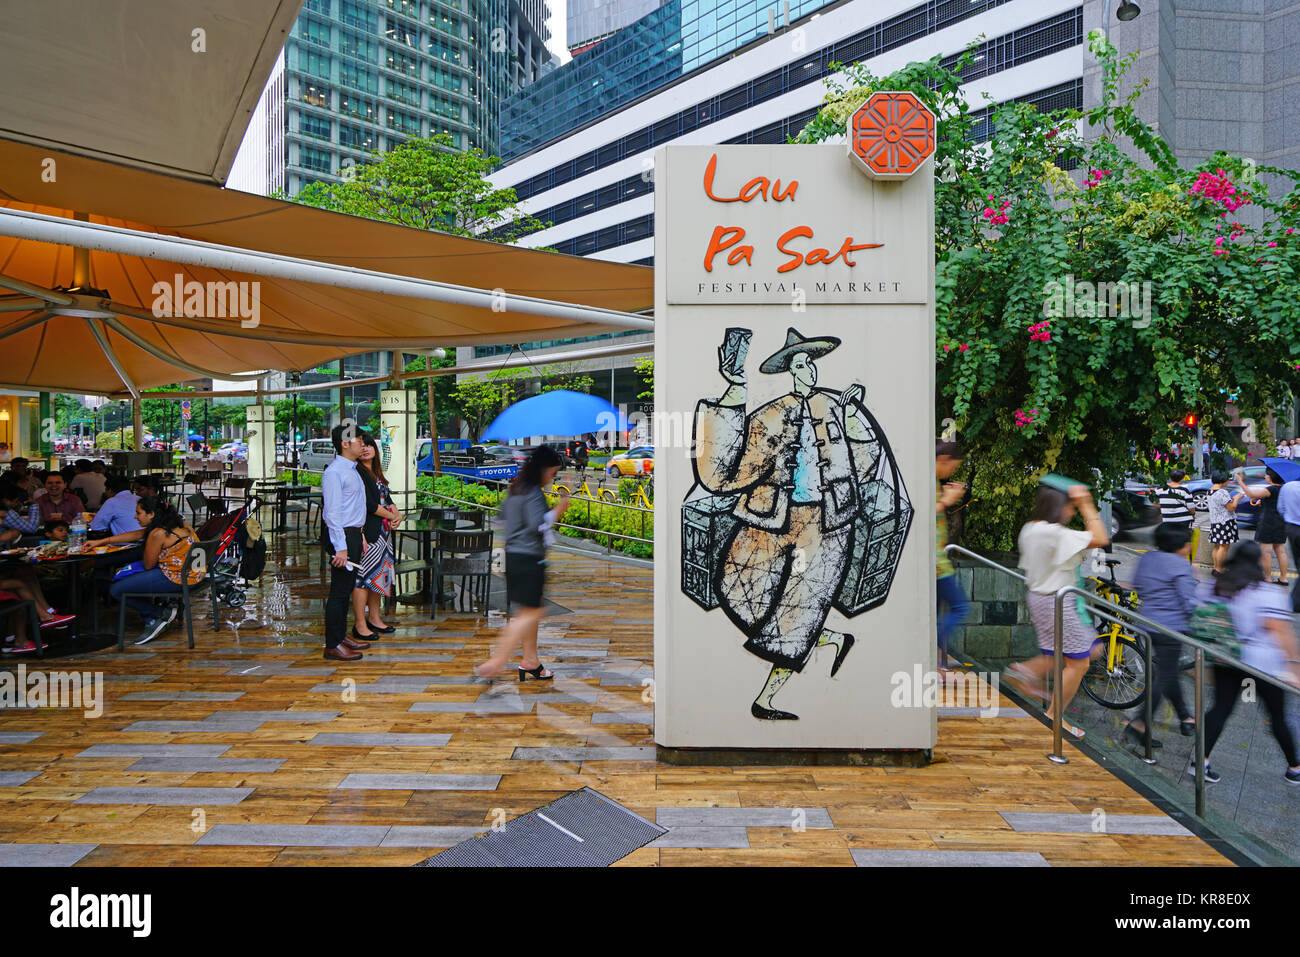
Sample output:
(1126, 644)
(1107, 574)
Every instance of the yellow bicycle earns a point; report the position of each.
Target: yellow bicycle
(1117, 677)
(601, 494)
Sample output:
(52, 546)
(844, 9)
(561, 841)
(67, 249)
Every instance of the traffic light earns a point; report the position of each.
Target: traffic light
(1191, 419)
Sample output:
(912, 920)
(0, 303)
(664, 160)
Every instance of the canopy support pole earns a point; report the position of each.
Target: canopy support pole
(81, 261)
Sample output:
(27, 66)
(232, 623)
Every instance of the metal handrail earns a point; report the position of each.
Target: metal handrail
(1109, 611)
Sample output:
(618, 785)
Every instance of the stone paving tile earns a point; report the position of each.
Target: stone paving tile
(295, 835)
(707, 817)
(586, 754)
(417, 645)
(502, 706)
(154, 751)
(190, 797)
(243, 669)
(43, 855)
(887, 858)
(421, 782)
(1048, 823)
(19, 737)
(412, 836)
(182, 696)
(543, 639)
(624, 717)
(396, 656)
(220, 765)
(336, 739)
(622, 679)
(13, 779)
(703, 837)
(130, 679)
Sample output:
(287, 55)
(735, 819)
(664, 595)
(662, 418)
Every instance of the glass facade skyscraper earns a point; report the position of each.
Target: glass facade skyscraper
(680, 36)
(365, 75)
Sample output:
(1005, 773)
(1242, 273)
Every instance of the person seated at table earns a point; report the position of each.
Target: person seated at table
(22, 584)
(117, 515)
(89, 484)
(58, 502)
(56, 530)
(167, 541)
(22, 475)
(18, 517)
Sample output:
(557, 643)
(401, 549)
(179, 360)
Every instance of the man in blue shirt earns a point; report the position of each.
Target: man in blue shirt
(117, 515)
(1288, 506)
(343, 515)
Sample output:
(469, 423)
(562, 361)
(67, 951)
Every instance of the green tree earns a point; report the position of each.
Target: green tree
(444, 392)
(645, 368)
(308, 417)
(428, 184)
(1033, 372)
(565, 375)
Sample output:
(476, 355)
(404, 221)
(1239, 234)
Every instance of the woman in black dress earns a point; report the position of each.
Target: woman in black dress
(375, 580)
(1270, 533)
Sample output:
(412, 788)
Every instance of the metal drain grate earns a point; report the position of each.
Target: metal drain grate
(581, 829)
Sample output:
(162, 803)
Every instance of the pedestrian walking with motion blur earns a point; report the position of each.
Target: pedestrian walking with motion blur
(1223, 518)
(1166, 586)
(1261, 621)
(1288, 506)
(528, 533)
(949, 595)
(1270, 532)
(1050, 554)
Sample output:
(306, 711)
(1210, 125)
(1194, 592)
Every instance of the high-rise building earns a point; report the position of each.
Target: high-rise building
(591, 21)
(259, 164)
(366, 75)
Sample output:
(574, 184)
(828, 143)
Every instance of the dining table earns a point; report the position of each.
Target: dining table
(68, 562)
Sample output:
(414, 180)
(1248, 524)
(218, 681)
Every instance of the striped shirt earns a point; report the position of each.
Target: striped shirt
(1176, 505)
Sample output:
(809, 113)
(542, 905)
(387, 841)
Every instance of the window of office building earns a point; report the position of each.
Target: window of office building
(442, 50)
(443, 23)
(358, 106)
(318, 6)
(401, 63)
(314, 31)
(312, 158)
(354, 75)
(357, 138)
(360, 14)
(313, 63)
(353, 44)
(401, 33)
(444, 108)
(402, 92)
(444, 79)
(315, 126)
(403, 122)
(317, 94)
(406, 7)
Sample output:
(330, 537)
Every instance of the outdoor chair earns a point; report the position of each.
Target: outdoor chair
(207, 551)
(200, 503)
(465, 555)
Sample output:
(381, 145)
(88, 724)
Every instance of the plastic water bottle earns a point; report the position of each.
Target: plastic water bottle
(77, 535)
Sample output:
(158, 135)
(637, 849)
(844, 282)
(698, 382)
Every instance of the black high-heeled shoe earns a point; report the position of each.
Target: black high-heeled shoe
(535, 672)
(386, 630)
(360, 637)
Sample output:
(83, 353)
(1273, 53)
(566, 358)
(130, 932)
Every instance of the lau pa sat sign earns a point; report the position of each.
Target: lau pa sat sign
(783, 224)
(794, 358)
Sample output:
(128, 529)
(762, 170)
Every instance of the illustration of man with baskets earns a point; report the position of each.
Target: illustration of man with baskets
(807, 511)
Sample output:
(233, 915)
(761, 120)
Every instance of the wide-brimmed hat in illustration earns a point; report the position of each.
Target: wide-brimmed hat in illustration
(795, 343)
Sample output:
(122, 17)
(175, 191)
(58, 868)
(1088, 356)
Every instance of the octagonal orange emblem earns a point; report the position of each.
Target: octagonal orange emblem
(891, 135)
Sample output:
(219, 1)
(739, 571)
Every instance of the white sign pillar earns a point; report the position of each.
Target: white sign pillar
(260, 437)
(397, 444)
(794, 374)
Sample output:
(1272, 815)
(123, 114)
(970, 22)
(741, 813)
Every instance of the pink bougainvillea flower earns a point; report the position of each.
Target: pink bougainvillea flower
(1271, 245)
(963, 347)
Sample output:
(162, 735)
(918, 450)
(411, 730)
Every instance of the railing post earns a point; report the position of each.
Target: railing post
(1058, 672)
(1200, 733)
(1146, 721)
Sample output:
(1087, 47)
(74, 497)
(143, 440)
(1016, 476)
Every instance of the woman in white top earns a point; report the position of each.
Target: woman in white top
(1050, 554)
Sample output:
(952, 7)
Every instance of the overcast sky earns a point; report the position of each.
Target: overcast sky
(556, 24)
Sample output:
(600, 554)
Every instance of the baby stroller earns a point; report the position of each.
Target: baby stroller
(240, 554)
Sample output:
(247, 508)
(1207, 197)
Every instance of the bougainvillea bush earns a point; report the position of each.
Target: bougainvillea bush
(1091, 292)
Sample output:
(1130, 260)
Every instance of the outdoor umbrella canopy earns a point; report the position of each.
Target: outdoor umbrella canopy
(1289, 470)
(556, 413)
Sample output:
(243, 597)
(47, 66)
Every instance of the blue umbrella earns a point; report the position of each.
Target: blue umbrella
(556, 413)
(1289, 470)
